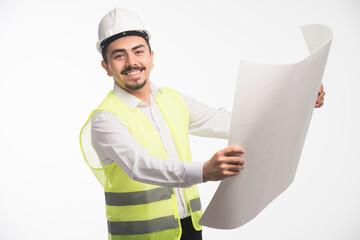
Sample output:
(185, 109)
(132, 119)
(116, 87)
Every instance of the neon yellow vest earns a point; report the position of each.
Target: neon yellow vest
(137, 210)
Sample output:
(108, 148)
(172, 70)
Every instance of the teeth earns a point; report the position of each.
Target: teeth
(133, 73)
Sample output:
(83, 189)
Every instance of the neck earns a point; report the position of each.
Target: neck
(143, 94)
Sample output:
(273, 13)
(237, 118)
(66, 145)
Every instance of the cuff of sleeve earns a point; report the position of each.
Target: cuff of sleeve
(194, 172)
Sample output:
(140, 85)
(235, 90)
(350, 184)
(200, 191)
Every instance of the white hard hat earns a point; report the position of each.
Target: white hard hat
(119, 21)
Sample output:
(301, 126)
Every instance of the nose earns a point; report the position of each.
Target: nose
(130, 60)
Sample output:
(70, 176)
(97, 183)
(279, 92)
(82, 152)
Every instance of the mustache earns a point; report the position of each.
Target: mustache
(130, 68)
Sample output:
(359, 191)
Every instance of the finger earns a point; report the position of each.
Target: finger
(233, 150)
(320, 104)
(231, 167)
(321, 95)
(233, 160)
(235, 168)
(321, 88)
(320, 99)
(231, 173)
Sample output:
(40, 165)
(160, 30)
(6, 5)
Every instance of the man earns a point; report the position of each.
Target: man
(140, 137)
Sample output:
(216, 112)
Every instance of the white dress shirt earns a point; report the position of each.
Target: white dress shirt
(114, 143)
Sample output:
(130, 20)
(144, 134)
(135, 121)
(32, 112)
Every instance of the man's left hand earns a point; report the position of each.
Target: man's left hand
(320, 98)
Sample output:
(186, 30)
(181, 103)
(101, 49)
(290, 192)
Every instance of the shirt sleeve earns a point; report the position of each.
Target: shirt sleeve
(205, 121)
(113, 143)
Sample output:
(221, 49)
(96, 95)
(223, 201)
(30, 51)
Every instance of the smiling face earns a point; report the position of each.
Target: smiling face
(129, 62)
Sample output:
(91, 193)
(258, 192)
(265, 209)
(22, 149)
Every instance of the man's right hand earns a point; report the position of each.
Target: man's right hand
(225, 163)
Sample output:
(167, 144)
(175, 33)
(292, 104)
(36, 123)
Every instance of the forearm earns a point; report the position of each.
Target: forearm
(114, 143)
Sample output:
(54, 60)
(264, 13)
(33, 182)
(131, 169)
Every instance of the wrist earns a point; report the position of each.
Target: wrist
(204, 177)
(193, 172)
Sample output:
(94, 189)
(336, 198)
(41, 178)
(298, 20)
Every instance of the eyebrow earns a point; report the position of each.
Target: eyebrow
(123, 50)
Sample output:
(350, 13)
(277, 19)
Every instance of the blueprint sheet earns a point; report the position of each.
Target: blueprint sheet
(272, 110)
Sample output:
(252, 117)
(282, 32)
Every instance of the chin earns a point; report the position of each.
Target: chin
(137, 86)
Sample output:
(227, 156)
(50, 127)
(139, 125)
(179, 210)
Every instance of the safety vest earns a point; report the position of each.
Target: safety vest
(137, 210)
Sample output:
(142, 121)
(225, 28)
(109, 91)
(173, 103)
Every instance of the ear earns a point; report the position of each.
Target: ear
(107, 68)
(152, 59)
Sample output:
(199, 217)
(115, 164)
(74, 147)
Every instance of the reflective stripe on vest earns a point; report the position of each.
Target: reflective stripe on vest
(142, 227)
(195, 204)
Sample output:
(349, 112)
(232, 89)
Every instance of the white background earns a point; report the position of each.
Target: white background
(51, 78)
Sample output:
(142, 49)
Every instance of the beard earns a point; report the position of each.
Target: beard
(137, 86)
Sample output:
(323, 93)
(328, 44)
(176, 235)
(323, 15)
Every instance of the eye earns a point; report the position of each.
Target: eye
(119, 56)
(139, 52)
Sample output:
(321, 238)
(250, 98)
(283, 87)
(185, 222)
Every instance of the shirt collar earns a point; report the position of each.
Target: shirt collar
(130, 100)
